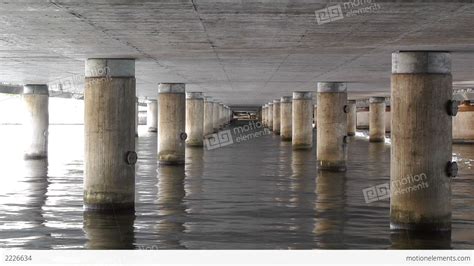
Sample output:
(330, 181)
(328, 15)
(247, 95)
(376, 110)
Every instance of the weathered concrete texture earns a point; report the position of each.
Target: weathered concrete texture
(421, 142)
(152, 115)
(36, 121)
(331, 150)
(302, 120)
(171, 123)
(109, 132)
(276, 117)
(463, 124)
(194, 118)
(270, 116)
(286, 117)
(215, 116)
(208, 109)
(377, 119)
(388, 119)
(351, 117)
(264, 115)
(136, 116)
(362, 118)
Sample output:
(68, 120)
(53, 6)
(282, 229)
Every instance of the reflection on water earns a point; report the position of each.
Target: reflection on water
(257, 194)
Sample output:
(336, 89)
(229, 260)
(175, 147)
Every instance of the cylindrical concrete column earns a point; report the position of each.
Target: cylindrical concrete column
(351, 117)
(286, 118)
(221, 115)
(264, 115)
(315, 116)
(208, 108)
(215, 116)
(152, 115)
(109, 127)
(171, 123)
(276, 116)
(194, 118)
(136, 116)
(36, 120)
(270, 116)
(302, 120)
(331, 149)
(377, 119)
(421, 150)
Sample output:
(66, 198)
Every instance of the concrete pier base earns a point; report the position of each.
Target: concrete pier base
(152, 115)
(421, 149)
(331, 150)
(276, 116)
(194, 118)
(36, 121)
(286, 118)
(351, 117)
(171, 123)
(109, 127)
(302, 120)
(208, 129)
(377, 119)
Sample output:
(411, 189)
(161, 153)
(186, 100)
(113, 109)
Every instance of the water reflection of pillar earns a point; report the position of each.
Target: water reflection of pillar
(404, 239)
(194, 172)
(379, 154)
(171, 207)
(329, 206)
(36, 176)
(109, 230)
(302, 197)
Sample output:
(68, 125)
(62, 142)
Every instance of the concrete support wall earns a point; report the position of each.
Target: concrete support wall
(302, 120)
(109, 129)
(276, 117)
(421, 141)
(463, 124)
(152, 115)
(351, 117)
(171, 123)
(36, 121)
(377, 119)
(208, 109)
(286, 118)
(194, 118)
(331, 149)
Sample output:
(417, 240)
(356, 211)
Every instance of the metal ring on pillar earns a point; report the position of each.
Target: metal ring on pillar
(38, 89)
(452, 107)
(131, 157)
(110, 67)
(417, 62)
(332, 87)
(171, 88)
(452, 169)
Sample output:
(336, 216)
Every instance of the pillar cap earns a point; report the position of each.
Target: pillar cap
(276, 101)
(270, 104)
(377, 100)
(171, 88)
(286, 99)
(302, 95)
(194, 95)
(418, 62)
(332, 87)
(208, 99)
(110, 67)
(351, 101)
(38, 89)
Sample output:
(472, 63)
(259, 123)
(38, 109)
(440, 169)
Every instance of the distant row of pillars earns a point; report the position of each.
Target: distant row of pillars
(421, 133)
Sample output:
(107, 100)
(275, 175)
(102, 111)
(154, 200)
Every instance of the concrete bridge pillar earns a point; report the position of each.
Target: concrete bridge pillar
(421, 150)
(152, 115)
(109, 127)
(264, 115)
(36, 120)
(332, 126)
(208, 129)
(463, 124)
(171, 123)
(315, 116)
(215, 116)
(276, 116)
(270, 116)
(286, 118)
(377, 119)
(351, 117)
(194, 118)
(302, 120)
(136, 116)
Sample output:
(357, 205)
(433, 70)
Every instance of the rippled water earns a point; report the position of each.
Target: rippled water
(258, 194)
